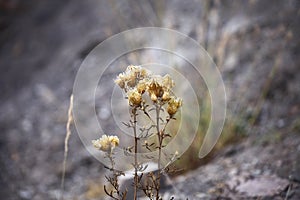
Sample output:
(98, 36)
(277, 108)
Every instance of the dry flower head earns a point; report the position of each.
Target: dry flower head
(136, 81)
(106, 143)
(134, 97)
(173, 105)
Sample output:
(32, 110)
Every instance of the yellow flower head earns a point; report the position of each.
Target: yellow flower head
(173, 105)
(159, 87)
(142, 86)
(153, 97)
(134, 97)
(154, 88)
(120, 81)
(167, 82)
(106, 143)
(137, 71)
(131, 77)
(166, 96)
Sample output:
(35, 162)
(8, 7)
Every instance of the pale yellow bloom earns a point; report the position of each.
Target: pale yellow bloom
(167, 82)
(159, 87)
(120, 82)
(106, 143)
(153, 87)
(131, 77)
(134, 97)
(144, 73)
(137, 71)
(142, 86)
(166, 96)
(173, 105)
(136, 81)
(153, 97)
(114, 140)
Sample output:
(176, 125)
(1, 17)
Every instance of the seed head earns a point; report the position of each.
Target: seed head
(131, 77)
(120, 82)
(166, 96)
(134, 97)
(155, 88)
(142, 86)
(167, 82)
(173, 105)
(106, 143)
(153, 97)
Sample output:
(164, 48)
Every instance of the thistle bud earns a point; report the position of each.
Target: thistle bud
(167, 82)
(134, 97)
(106, 143)
(166, 96)
(153, 97)
(120, 83)
(173, 105)
(141, 87)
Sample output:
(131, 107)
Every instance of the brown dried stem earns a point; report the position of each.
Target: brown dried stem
(134, 114)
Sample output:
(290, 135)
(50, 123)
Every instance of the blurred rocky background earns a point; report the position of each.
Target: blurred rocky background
(255, 44)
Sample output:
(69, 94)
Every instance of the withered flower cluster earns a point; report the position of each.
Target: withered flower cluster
(142, 88)
(106, 143)
(137, 81)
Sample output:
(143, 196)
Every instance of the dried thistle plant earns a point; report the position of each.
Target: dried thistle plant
(107, 144)
(146, 92)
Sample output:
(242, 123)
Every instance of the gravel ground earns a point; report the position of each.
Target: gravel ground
(246, 171)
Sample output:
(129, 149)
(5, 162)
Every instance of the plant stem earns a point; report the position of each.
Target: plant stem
(109, 155)
(160, 139)
(135, 154)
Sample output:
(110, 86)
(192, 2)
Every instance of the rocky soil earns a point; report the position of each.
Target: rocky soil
(245, 171)
(254, 43)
